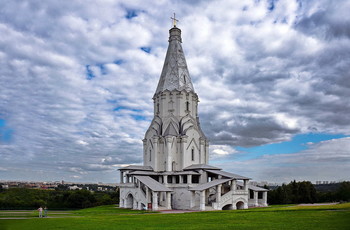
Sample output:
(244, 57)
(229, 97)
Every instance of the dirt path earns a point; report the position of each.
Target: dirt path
(318, 204)
(19, 212)
(176, 211)
(24, 218)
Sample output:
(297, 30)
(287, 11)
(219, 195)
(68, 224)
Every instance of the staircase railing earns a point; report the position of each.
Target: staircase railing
(224, 198)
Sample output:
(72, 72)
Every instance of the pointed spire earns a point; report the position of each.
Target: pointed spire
(175, 75)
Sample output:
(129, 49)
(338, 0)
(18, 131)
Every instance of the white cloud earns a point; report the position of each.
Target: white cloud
(262, 76)
(218, 151)
(327, 160)
(3, 169)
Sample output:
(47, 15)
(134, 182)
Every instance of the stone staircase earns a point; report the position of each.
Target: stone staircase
(225, 199)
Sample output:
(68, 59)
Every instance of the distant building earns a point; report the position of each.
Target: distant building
(175, 172)
(5, 186)
(102, 189)
(74, 187)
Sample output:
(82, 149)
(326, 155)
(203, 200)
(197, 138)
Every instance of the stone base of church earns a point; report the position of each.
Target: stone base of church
(202, 188)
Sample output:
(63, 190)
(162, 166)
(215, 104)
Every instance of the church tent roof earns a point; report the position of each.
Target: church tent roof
(254, 188)
(137, 167)
(186, 173)
(175, 75)
(153, 184)
(201, 166)
(227, 174)
(209, 184)
(147, 173)
(164, 173)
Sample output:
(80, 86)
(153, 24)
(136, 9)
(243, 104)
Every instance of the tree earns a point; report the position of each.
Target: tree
(294, 192)
(343, 193)
(80, 199)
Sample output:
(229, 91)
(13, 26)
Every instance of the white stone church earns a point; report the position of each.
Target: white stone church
(175, 172)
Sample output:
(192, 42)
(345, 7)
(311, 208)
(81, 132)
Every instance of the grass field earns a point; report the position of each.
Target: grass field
(110, 217)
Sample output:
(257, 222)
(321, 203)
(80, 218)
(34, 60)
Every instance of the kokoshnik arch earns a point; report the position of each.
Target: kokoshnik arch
(175, 172)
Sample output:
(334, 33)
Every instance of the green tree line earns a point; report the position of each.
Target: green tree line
(305, 192)
(23, 198)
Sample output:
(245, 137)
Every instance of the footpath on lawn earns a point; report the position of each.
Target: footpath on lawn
(110, 217)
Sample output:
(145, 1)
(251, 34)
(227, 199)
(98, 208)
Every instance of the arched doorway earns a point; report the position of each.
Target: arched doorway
(129, 201)
(240, 205)
(227, 207)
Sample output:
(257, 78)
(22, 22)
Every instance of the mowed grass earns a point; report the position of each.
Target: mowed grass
(275, 217)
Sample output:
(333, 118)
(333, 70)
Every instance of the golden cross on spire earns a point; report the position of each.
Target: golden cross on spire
(174, 20)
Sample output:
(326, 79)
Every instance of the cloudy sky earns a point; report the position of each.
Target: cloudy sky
(77, 80)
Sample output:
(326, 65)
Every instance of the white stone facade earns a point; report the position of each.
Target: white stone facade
(175, 172)
(174, 139)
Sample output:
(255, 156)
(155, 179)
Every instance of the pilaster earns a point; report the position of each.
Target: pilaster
(193, 199)
(202, 154)
(121, 177)
(144, 151)
(154, 201)
(245, 186)
(256, 199)
(183, 151)
(155, 155)
(234, 185)
(265, 198)
(218, 194)
(207, 152)
(169, 141)
(189, 179)
(202, 201)
(168, 200)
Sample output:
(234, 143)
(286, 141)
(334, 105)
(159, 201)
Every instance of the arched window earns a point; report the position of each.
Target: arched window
(171, 105)
(192, 154)
(187, 106)
(157, 108)
(150, 155)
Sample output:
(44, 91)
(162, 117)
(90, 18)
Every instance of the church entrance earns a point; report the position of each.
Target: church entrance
(240, 205)
(227, 207)
(129, 201)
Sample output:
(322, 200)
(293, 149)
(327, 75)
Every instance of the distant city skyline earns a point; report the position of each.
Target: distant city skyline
(77, 81)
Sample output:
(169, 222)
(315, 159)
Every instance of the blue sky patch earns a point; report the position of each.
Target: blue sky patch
(130, 13)
(2, 123)
(146, 49)
(118, 62)
(271, 6)
(126, 108)
(89, 73)
(5, 132)
(139, 117)
(102, 69)
(297, 144)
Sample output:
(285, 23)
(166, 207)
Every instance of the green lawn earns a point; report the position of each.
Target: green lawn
(109, 217)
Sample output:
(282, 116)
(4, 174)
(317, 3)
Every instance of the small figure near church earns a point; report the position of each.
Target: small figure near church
(40, 212)
(45, 211)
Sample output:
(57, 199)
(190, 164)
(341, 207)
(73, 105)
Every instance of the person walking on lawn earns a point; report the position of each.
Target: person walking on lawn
(40, 212)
